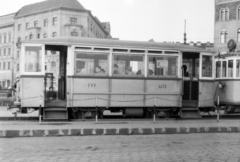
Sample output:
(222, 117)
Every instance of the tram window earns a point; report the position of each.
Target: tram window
(94, 64)
(162, 66)
(230, 68)
(33, 59)
(238, 68)
(218, 69)
(207, 66)
(224, 69)
(128, 65)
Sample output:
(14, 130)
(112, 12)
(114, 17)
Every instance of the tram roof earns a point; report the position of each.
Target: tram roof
(66, 41)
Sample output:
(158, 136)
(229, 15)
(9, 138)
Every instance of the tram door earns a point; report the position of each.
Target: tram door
(190, 72)
(55, 72)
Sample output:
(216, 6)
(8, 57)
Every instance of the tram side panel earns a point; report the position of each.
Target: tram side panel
(88, 92)
(206, 93)
(31, 91)
(164, 93)
(229, 94)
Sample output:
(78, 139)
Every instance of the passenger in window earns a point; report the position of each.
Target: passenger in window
(139, 72)
(150, 72)
(129, 71)
(99, 70)
(185, 72)
(115, 69)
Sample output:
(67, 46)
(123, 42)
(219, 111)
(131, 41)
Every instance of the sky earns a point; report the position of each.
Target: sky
(142, 20)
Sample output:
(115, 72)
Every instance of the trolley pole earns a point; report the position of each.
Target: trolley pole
(218, 108)
(40, 111)
(154, 110)
(96, 115)
(40, 116)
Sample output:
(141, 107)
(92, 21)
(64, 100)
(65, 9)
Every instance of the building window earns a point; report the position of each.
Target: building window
(0, 66)
(53, 65)
(35, 23)
(45, 35)
(5, 38)
(222, 15)
(31, 36)
(238, 12)
(226, 14)
(0, 39)
(18, 54)
(54, 34)
(54, 21)
(45, 22)
(9, 65)
(9, 51)
(238, 35)
(0, 51)
(4, 51)
(27, 26)
(9, 37)
(73, 20)
(4, 65)
(17, 67)
(74, 34)
(223, 37)
(19, 27)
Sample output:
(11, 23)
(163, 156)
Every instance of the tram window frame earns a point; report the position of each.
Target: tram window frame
(207, 70)
(126, 69)
(167, 73)
(220, 69)
(237, 68)
(224, 71)
(23, 59)
(230, 73)
(104, 69)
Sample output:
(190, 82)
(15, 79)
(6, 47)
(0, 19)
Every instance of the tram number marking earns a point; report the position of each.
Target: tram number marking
(162, 86)
(91, 85)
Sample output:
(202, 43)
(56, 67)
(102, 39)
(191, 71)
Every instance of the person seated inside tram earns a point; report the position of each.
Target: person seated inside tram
(185, 72)
(129, 71)
(99, 70)
(150, 72)
(139, 72)
(115, 69)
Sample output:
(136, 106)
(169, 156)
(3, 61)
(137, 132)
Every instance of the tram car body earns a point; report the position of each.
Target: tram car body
(227, 83)
(69, 78)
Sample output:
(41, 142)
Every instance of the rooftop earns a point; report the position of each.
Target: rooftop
(49, 5)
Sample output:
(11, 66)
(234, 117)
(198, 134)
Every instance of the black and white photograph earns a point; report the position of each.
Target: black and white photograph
(119, 80)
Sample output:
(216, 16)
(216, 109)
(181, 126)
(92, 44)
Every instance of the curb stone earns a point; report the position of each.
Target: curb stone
(115, 131)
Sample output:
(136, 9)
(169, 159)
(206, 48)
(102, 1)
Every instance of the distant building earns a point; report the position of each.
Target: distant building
(6, 49)
(227, 24)
(47, 19)
(207, 45)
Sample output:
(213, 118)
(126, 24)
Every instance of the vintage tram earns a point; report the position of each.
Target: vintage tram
(67, 78)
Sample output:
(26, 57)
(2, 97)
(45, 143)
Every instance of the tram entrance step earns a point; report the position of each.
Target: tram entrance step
(55, 114)
(190, 113)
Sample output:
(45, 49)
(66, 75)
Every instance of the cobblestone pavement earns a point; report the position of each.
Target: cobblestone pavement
(150, 148)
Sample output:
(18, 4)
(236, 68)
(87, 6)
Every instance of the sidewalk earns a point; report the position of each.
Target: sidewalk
(27, 128)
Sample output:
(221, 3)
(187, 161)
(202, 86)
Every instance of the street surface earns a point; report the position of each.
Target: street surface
(224, 147)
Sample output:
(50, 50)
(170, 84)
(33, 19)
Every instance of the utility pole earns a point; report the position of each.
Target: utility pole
(185, 35)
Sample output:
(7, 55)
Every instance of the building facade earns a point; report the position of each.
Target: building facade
(6, 49)
(47, 19)
(227, 24)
